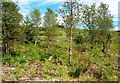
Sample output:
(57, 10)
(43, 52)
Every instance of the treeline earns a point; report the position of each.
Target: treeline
(96, 20)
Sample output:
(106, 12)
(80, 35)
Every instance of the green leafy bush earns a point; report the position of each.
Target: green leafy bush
(15, 53)
(7, 59)
(79, 39)
(75, 73)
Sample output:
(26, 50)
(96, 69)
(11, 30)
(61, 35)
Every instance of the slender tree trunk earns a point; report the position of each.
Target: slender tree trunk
(71, 26)
(107, 42)
(70, 48)
(92, 40)
(105, 45)
(5, 48)
(35, 41)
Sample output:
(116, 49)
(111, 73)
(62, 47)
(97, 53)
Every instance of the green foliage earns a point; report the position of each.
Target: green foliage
(61, 71)
(17, 72)
(6, 59)
(50, 19)
(105, 64)
(43, 44)
(106, 73)
(46, 55)
(15, 53)
(11, 30)
(70, 13)
(96, 53)
(22, 57)
(75, 73)
(35, 17)
(98, 74)
(98, 24)
(79, 39)
(32, 24)
(22, 60)
(43, 56)
(10, 59)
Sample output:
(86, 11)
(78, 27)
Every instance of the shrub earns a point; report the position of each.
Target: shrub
(75, 73)
(43, 56)
(15, 53)
(7, 59)
(79, 39)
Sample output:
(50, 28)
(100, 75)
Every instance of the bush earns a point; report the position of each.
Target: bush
(7, 59)
(15, 53)
(79, 39)
(43, 56)
(75, 73)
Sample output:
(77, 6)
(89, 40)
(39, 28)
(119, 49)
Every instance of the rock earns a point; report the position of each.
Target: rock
(50, 58)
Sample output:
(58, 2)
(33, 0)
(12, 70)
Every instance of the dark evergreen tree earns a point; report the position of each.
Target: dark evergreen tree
(11, 29)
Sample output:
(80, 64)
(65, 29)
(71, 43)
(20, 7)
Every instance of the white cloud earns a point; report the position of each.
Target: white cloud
(24, 9)
(45, 3)
(116, 29)
(113, 7)
(115, 19)
(113, 4)
(24, 12)
(26, 1)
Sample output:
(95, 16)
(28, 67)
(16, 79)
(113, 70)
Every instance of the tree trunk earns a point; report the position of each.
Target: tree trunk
(103, 50)
(6, 48)
(70, 48)
(71, 26)
(35, 41)
(107, 42)
(92, 40)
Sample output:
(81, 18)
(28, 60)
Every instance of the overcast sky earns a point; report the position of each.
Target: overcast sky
(28, 5)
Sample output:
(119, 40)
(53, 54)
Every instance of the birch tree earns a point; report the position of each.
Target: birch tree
(35, 17)
(70, 13)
